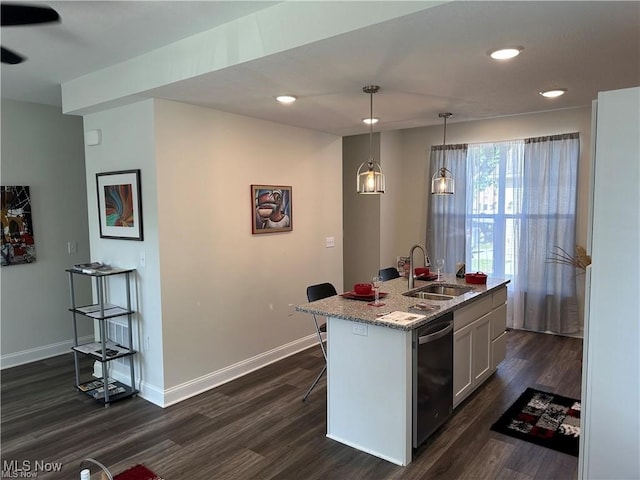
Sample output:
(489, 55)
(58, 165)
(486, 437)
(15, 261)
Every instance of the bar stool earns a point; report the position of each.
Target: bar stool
(388, 273)
(318, 292)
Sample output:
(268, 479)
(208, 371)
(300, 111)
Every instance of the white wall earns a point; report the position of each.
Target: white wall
(128, 142)
(42, 148)
(226, 293)
(214, 301)
(610, 437)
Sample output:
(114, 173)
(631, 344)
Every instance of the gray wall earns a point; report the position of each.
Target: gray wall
(361, 214)
(372, 223)
(43, 148)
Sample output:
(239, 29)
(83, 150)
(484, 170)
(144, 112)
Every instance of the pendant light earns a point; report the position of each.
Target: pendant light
(370, 179)
(442, 180)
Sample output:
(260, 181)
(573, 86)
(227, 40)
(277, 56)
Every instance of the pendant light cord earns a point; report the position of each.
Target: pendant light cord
(444, 142)
(444, 115)
(371, 89)
(370, 127)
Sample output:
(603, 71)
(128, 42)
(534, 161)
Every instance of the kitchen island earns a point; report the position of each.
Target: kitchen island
(369, 365)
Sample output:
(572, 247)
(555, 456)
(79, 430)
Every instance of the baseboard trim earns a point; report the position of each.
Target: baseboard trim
(40, 353)
(369, 451)
(151, 393)
(214, 379)
(170, 396)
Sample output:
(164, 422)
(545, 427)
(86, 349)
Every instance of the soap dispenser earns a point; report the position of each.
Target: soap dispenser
(85, 474)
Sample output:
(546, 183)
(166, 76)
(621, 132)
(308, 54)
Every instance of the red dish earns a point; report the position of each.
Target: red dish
(357, 296)
(363, 288)
(476, 278)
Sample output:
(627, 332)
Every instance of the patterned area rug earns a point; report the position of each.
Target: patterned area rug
(546, 419)
(139, 472)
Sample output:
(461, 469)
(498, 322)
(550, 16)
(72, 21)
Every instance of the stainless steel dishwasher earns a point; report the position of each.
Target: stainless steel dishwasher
(432, 377)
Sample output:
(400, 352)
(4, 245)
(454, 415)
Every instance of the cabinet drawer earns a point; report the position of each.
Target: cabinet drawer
(499, 297)
(498, 350)
(498, 321)
(467, 314)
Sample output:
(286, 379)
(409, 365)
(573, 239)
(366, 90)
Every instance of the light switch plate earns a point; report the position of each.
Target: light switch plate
(330, 242)
(72, 247)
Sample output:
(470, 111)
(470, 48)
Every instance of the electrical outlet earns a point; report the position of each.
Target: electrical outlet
(330, 242)
(143, 259)
(360, 329)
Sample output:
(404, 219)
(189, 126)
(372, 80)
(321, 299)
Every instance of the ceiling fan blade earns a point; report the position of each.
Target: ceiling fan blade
(16, 14)
(10, 57)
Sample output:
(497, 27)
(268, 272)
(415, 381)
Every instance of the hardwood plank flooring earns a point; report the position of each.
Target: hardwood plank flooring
(257, 427)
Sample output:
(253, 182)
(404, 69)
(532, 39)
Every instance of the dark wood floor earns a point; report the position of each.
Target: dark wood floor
(257, 427)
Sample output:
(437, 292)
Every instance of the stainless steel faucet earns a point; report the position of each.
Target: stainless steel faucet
(426, 262)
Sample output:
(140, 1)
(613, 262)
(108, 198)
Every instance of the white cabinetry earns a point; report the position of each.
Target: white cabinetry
(498, 328)
(462, 363)
(478, 342)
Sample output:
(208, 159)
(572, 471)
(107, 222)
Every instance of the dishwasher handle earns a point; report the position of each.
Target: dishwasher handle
(435, 335)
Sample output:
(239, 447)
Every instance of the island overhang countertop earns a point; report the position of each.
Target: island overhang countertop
(394, 300)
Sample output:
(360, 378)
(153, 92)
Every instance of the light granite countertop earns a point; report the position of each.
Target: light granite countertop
(360, 311)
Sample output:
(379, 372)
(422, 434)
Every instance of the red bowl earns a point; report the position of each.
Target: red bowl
(421, 271)
(362, 288)
(477, 278)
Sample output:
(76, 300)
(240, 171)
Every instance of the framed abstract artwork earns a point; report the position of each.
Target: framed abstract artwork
(120, 204)
(17, 226)
(271, 209)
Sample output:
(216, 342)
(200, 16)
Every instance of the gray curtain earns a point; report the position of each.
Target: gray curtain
(544, 292)
(446, 217)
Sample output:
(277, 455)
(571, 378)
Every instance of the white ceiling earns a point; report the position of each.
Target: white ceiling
(428, 62)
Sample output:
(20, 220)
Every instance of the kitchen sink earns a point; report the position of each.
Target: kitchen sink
(446, 289)
(436, 291)
(428, 296)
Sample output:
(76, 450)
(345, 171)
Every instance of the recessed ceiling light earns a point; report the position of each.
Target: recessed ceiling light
(556, 92)
(370, 121)
(505, 53)
(286, 99)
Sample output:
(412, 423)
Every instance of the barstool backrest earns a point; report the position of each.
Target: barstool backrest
(388, 273)
(320, 291)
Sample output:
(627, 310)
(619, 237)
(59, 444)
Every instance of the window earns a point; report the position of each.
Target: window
(515, 203)
(494, 206)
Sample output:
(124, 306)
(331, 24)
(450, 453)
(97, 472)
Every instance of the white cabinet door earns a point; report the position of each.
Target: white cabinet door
(481, 349)
(498, 335)
(498, 321)
(479, 342)
(462, 367)
(498, 350)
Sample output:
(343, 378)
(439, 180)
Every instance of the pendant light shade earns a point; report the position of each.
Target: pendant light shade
(442, 181)
(370, 177)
